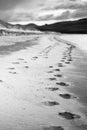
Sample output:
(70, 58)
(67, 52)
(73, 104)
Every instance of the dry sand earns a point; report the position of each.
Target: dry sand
(34, 86)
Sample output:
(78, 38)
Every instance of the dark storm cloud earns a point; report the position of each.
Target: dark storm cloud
(17, 10)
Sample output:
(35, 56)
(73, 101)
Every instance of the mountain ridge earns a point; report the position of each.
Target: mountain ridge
(76, 26)
(72, 27)
(7, 29)
(7, 25)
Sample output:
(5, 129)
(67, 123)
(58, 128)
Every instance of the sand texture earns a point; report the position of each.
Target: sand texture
(34, 85)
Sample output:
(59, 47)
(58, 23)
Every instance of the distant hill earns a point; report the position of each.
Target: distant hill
(73, 27)
(7, 29)
(26, 27)
(5, 25)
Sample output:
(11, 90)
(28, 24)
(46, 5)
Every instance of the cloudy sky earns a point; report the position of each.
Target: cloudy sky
(42, 10)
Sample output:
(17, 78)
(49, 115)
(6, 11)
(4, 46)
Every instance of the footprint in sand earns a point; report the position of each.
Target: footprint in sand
(66, 96)
(50, 66)
(62, 84)
(64, 56)
(13, 72)
(60, 65)
(70, 59)
(69, 54)
(58, 75)
(50, 103)
(62, 60)
(15, 63)
(69, 116)
(34, 58)
(53, 128)
(67, 62)
(50, 71)
(52, 89)
(11, 68)
(52, 79)
(57, 70)
(20, 59)
(1, 81)
(26, 67)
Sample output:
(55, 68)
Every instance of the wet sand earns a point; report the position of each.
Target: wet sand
(79, 69)
(37, 85)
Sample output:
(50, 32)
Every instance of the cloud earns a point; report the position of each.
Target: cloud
(67, 4)
(22, 17)
(66, 15)
(25, 10)
(73, 9)
(11, 8)
(9, 4)
(80, 13)
(46, 17)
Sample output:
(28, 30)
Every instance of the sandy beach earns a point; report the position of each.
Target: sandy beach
(41, 79)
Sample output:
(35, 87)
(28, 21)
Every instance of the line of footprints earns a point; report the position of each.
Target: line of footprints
(12, 70)
(66, 59)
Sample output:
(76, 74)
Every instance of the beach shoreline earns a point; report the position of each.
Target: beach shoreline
(35, 86)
